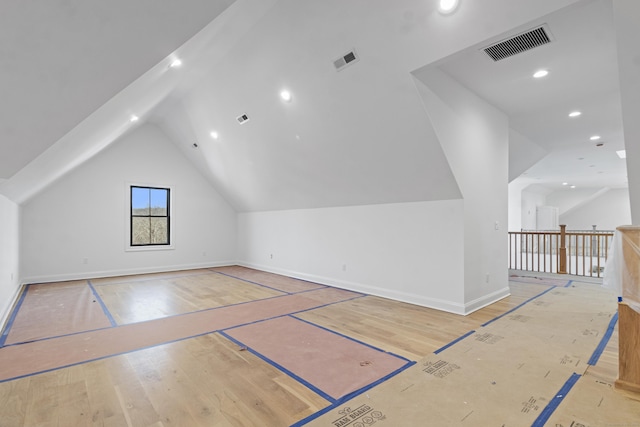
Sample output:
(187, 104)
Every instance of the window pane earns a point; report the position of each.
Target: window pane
(159, 231)
(140, 201)
(140, 231)
(159, 201)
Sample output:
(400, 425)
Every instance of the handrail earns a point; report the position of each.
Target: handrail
(577, 252)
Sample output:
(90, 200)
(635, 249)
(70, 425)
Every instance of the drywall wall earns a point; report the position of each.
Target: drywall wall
(531, 198)
(9, 255)
(411, 252)
(626, 15)
(523, 153)
(608, 211)
(78, 226)
(475, 138)
(569, 199)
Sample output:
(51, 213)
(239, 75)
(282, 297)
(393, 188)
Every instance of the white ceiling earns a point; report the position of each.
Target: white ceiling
(62, 60)
(583, 75)
(76, 70)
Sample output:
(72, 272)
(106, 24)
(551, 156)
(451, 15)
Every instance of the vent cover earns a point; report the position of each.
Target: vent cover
(345, 60)
(520, 43)
(242, 119)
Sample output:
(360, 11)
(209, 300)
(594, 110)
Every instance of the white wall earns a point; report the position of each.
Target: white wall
(475, 138)
(407, 251)
(523, 153)
(608, 211)
(9, 255)
(626, 15)
(85, 215)
(531, 199)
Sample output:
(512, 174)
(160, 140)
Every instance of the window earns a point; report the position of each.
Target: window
(150, 219)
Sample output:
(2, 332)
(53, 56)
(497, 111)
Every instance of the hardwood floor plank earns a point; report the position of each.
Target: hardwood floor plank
(209, 380)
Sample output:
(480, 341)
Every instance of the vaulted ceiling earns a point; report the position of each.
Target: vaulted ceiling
(74, 72)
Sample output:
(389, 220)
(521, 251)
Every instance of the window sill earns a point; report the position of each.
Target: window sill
(148, 248)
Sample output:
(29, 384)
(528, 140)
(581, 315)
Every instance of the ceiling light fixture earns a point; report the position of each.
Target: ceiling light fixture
(540, 73)
(595, 137)
(176, 63)
(573, 186)
(565, 183)
(574, 113)
(448, 6)
(134, 118)
(214, 134)
(285, 95)
(622, 154)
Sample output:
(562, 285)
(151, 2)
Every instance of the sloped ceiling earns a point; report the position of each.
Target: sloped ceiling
(61, 60)
(355, 136)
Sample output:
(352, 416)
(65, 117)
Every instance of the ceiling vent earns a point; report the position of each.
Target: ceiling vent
(520, 43)
(345, 60)
(242, 119)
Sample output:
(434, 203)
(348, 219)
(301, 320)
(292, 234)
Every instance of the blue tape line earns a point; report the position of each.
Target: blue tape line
(281, 368)
(518, 306)
(270, 287)
(569, 283)
(350, 338)
(104, 307)
(57, 336)
(555, 402)
(350, 396)
(12, 318)
(441, 349)
(30, 374)
(604, 341)
(286, 314)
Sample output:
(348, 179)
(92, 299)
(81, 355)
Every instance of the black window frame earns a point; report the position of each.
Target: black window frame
(132, 216)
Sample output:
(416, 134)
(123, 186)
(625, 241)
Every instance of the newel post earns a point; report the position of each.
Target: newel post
(562, 268)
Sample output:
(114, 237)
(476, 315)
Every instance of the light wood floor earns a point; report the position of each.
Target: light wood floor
(210, 381)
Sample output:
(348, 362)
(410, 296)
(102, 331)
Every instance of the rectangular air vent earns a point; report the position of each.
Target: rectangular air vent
(520, 43)
(242, 119)
(345, 60)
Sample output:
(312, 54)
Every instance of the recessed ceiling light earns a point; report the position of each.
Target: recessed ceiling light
(214, 134)
(565, 183)
(176, 63)
(134, 119)
(622, 154)
(285, 95)
(595, 137)
(540, 73)
(574, 113)
(573, 186)
(448, 6)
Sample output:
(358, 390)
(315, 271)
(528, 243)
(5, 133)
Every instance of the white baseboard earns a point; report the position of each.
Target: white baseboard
(6, 311)
(122, 272)
(435, 303)
(486, 300)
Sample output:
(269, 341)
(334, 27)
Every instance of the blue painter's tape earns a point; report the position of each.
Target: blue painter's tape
(351, 339)
(104, 307)
(348, 397)
(555, 402)
(282, 368)
(604, 341)
(30, 374)
(320, 286)
(12, 318)
(441, 349)
(518, 306)
(569, 283)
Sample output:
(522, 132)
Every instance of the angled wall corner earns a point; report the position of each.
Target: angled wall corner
(475, 139)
